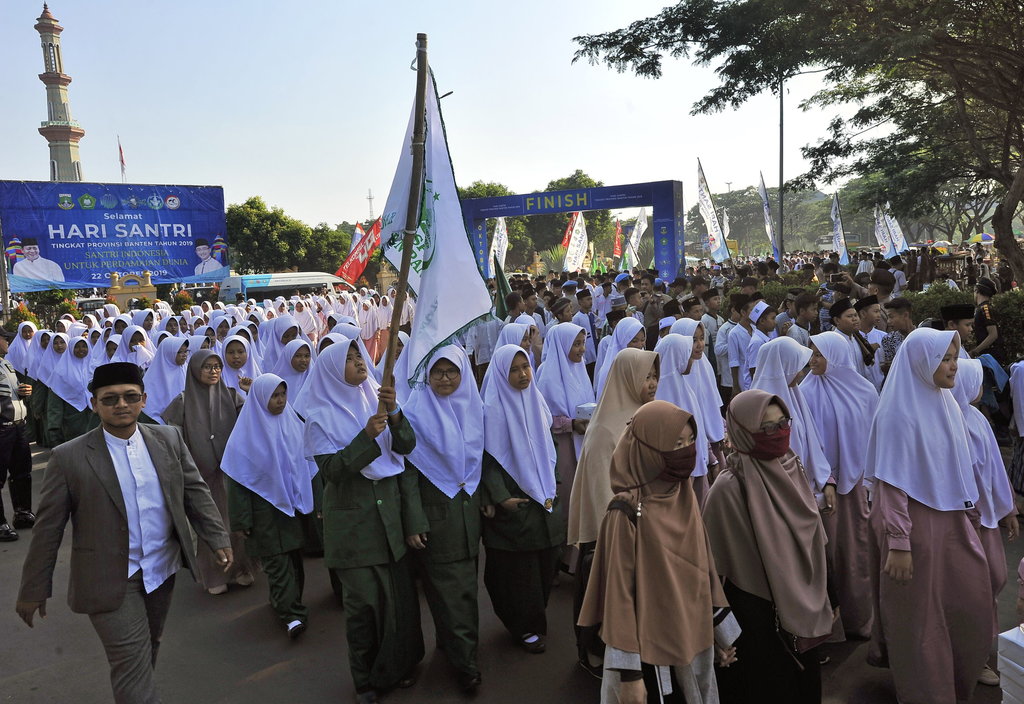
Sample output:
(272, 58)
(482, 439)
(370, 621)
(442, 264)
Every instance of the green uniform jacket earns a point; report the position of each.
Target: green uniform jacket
(271, 532)
(363, 517)
(453, 524)
(529, 527)
(64, 422)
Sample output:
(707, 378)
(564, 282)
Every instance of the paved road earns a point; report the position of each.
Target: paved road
(230, 649)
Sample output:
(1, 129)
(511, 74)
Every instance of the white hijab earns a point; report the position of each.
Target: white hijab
(142, 355)
(918, 437)
(250, 369)
(49, 360)
(265, 455)
(517, 429)
(779, 361)
(19, 354)
(840, 400)
(1017, 392)
(352, 333)
(675, 351)
(70, 380)
(165, 380)
(564, 384)
(336, 411)
(703, 375)
(37, 353)
(449, 430)
(296, 380)
(623, 334)
(995, 497)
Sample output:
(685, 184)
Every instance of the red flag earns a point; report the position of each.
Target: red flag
(568, 230)
(355, 263)
(617, 251)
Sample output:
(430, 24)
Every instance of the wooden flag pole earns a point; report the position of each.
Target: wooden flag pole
(412, 212)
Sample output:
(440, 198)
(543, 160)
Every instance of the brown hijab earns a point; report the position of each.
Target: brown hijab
(206, 414)
(620, 399)
(653, 586)
(764, 525)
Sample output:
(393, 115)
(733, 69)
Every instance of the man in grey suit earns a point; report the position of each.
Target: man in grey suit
(131, 492)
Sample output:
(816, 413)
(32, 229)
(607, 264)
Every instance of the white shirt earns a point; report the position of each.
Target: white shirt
(205, 267)
(40, 268)
(739, 340)
(151, 543)
(722, 353)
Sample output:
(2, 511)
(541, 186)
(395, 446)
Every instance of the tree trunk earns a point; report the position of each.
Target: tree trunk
(1002, 226)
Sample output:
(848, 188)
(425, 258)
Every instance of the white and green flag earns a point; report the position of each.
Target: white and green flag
(499, 246)
(576, 252)
(450, 293)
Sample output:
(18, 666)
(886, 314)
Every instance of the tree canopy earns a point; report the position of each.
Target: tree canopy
(938, 87)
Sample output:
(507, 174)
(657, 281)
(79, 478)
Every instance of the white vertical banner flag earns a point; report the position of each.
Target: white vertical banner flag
(716, 237)
(725, 224)
(576, 252)
(899, 241)
(450, 293)
(882, 233)
(769, 223)
(639, 229)
(499, 246)
(838, 235)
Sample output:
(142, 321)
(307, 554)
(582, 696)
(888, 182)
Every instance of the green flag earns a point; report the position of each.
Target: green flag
(500, 309)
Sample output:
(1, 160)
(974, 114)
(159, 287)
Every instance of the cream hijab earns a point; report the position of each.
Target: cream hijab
(592, 489)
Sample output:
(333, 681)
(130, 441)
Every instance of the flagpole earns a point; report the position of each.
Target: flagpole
(412, 212)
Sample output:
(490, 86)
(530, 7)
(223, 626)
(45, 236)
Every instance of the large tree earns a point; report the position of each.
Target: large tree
(938, 86)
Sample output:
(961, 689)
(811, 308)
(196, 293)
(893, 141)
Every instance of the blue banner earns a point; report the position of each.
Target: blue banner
(75, 235)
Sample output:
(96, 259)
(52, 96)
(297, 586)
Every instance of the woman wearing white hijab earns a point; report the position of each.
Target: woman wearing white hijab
(628, 333)
(444, 527)
(536, 347)
(704, 386)
(19, 354)
(995, 497)
(563, 382)
(270, 487)
(779, 369)
(134, 347)
(52, 411)
(675, 352)
(360, 456)
(403, 340)
(165, 379)
(283, 330)
(351, 332)
(307, 320)
(240, 367)
(524, 526)
(294, 364)
(40, 392)
(68, 412)
(369, 324)
(384, 311)
(839, 400)
(934, 592)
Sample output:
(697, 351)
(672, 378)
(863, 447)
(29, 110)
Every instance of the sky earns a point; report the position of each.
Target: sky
(306, 104)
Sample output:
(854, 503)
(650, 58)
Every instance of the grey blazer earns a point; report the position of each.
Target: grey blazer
(81, 484)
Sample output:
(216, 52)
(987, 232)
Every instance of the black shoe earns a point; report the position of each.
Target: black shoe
(534, 647)
(7, 534)
(24, 519)
(408, 681)
(296, 629)
(469, 681)
(367, 697)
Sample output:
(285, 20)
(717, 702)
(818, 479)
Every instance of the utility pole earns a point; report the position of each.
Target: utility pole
(369, 197)
(782, 249)
(728, 184)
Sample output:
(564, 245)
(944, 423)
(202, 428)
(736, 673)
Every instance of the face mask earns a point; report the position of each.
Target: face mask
(679, 464)
(770, 447)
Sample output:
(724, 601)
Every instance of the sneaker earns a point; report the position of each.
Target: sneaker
(7, 534)
(533, 643)
(989, 677)
(295, 629)
(24, 519)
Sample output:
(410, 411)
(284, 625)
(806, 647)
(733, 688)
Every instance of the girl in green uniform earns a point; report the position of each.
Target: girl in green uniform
(524, 527)
(68, 408)
(269, 489)
(447, 416)
(359, 454)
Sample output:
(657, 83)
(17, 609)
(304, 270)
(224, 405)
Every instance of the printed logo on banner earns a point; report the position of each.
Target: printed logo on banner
(172, 202)
(86, 201)
(64, 201)
(108, 201)
(155, 202)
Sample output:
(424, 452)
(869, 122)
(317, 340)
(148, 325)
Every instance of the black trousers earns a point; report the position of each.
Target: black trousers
(15, 466)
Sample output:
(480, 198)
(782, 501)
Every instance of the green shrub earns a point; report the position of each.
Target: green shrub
(19, 315)
(182, 301)
(1009, 311)
(927, 304)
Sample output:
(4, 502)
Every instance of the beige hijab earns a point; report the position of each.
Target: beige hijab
(768, 540)
(653, 586)
(620, 399)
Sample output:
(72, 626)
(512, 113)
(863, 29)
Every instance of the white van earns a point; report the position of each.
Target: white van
(260, 286)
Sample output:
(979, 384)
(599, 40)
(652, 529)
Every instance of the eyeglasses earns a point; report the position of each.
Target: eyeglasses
(130, 398)
(212, 368)
(445, 374)
(772, 428)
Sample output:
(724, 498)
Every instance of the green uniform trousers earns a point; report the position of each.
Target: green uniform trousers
(451, 591)
(519, 584)
(286, 579)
